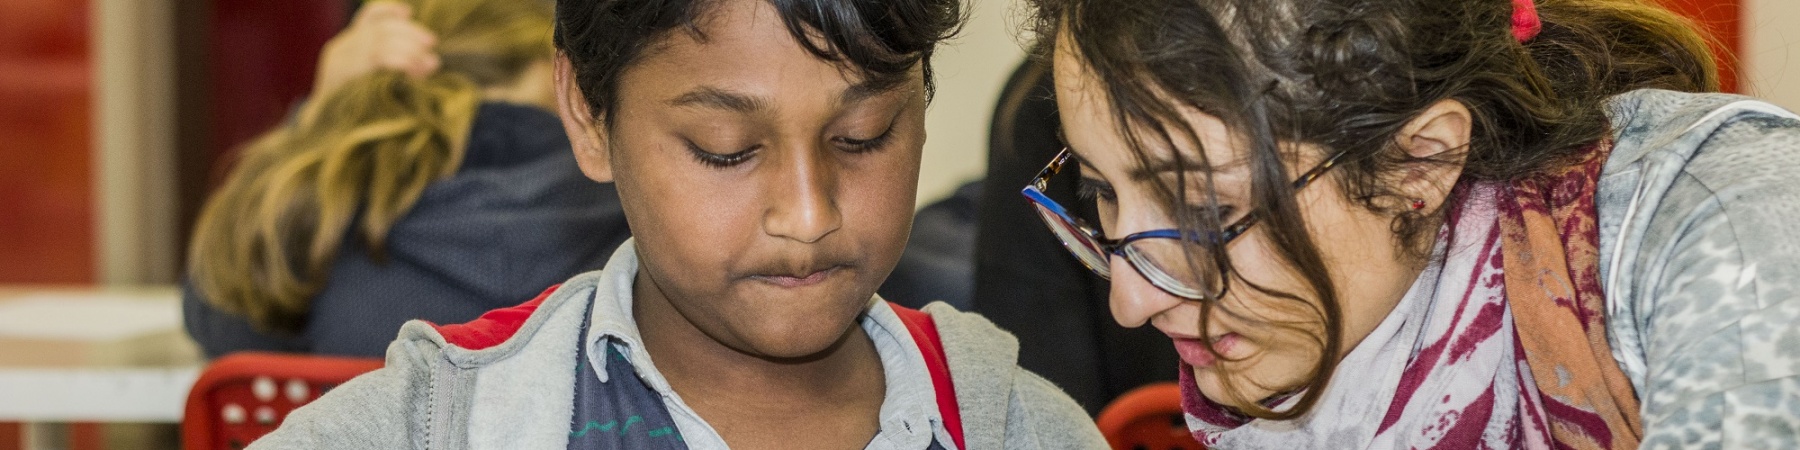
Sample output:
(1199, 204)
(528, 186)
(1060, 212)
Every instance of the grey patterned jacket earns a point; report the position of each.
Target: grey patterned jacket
(1699, 208)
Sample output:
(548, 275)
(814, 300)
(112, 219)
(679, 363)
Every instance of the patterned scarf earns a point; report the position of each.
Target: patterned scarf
(1487, 348)
(1552, 242)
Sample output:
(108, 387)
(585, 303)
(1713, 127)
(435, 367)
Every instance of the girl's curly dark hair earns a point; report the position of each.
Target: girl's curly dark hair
(1346, 75)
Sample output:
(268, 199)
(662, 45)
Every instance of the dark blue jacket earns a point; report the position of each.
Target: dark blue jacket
(517, 217)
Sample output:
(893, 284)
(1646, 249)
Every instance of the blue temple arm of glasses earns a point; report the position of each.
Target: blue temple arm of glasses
(1168, 233)
(1036, 196)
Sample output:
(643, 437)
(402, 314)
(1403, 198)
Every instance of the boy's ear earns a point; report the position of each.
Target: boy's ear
(586, 136)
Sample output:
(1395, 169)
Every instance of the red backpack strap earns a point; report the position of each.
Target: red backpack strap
(924, 332)
(493, 327)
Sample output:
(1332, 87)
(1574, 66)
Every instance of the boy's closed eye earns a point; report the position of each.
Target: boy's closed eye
(870, 122)
(731, 155)
(720, 159)
(853, 144)
(727, 152)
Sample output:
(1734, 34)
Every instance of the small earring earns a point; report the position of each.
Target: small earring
(1418, 204)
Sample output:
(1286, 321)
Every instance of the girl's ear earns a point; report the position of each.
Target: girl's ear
(1440, 134)
(586, 136)
(1443, 127)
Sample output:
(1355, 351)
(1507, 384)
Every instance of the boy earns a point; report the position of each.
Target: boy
(766, 154)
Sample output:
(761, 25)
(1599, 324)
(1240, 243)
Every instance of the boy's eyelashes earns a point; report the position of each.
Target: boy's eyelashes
(712, 159)
(847, 144)
(855, 145)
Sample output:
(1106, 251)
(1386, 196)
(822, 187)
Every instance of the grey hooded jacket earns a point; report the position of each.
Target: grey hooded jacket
(1699, 211)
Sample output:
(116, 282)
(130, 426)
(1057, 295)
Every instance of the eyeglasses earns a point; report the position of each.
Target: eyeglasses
(1171, 259)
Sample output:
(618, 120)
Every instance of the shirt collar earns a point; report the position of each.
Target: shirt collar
(909, 416)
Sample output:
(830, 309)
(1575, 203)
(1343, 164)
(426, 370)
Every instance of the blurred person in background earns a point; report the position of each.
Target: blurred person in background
(939, 262)
(426, 178)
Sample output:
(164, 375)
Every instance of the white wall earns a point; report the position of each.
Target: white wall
(1772, 50)
(971, 69)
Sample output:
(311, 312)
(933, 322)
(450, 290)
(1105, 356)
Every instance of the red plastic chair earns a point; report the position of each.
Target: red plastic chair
(1149, 418)
(242, 396)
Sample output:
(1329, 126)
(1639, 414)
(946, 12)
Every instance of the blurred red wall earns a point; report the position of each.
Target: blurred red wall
(263, 54)
(46, 185)
(1723, 20)
(46, 190)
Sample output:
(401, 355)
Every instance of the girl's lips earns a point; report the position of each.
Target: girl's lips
(1193, 350)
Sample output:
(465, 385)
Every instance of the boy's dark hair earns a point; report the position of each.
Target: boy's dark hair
(882, 39)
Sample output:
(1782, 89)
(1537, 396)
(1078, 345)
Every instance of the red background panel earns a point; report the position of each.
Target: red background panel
(1723, 20)
(263, 54)
(46, 184)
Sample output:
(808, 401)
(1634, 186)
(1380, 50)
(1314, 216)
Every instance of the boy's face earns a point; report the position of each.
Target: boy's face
(770, 191)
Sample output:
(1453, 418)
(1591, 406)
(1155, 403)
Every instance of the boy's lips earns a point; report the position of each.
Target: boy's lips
(796, 281)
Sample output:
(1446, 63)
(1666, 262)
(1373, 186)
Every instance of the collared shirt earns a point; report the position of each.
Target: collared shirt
(909, 417)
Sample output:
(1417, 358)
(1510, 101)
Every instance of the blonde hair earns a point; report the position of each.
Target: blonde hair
(266, 240)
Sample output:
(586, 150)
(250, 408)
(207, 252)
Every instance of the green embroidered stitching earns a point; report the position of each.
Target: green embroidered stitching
(594, 425)
(633, 420)
(665, 431)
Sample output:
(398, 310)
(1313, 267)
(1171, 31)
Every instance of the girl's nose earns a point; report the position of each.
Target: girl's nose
(1133, 299)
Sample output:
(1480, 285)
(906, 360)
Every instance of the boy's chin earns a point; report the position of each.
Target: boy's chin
(797, 338)
(797, 352)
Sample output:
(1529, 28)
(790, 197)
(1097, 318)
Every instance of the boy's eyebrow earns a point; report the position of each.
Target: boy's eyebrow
(719, 98)
(866, 89)
(712, 97)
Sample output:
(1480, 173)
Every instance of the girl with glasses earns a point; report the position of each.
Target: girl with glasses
(1435, 223)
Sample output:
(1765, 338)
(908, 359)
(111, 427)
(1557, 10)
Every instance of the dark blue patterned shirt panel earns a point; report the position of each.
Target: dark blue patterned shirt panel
(620, 413)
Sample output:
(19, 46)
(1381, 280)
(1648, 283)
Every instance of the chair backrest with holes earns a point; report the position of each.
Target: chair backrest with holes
(1148, 417)
(242, 396)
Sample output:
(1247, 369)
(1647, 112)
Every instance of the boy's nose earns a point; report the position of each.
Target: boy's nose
(804, 203)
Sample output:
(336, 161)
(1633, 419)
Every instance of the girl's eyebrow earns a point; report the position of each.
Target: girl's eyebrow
(1076, 155)
(1155, 169)
(1160, 166)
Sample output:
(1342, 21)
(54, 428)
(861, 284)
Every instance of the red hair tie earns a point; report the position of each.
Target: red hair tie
(1525, 21)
